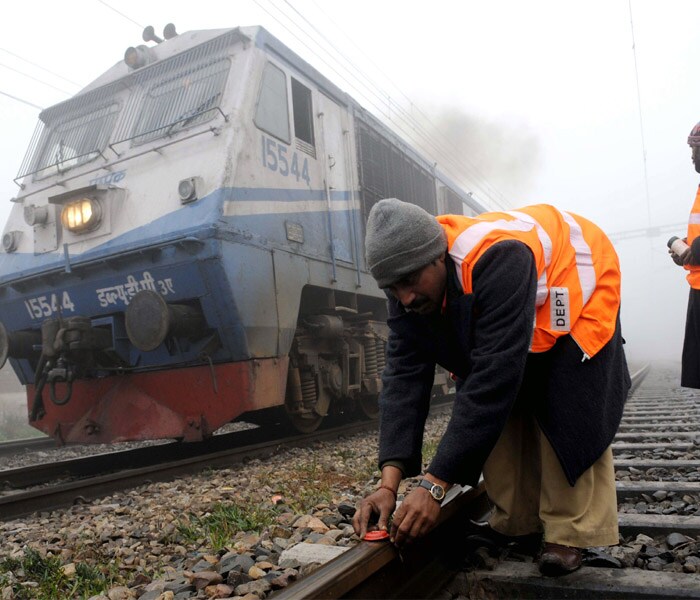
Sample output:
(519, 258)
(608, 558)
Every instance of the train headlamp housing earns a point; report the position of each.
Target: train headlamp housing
(85, 212)
(82, 215)
(189, 189)
(10, 240)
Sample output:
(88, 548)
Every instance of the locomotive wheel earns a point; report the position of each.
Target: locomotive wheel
(369, 406)
(305, 424)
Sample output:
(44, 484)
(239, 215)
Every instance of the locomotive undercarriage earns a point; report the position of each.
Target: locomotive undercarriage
(335, 366)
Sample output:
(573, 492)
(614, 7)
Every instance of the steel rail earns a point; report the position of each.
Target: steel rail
(26, 444)
(119, 460)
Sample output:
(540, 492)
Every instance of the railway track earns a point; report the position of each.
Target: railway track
(121, 460)
(27, 444)
(56, 484)
(122, 470)
(659, 419)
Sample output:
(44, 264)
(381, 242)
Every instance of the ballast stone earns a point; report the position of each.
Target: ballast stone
(304, 554)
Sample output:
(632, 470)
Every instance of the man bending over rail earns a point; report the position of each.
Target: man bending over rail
(523, 308)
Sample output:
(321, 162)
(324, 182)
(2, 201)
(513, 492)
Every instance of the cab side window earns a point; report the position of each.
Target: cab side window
(303, 117)
(272, 112)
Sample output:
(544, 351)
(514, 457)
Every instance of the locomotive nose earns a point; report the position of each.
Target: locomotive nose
(149, 320)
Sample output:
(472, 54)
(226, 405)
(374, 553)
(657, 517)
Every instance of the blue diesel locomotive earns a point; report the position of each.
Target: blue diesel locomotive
(186, 246)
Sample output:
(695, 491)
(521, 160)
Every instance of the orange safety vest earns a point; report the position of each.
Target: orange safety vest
(693, 276)
(578, 286)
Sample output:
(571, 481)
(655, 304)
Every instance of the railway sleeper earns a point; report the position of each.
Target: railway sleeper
(523, 580)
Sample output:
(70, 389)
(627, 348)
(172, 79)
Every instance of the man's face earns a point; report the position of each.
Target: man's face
(696, 157)
(422, 291)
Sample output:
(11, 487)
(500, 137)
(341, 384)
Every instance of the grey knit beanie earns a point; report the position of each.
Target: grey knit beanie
(401, 238)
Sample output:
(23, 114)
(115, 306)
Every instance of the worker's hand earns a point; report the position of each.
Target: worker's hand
(415, 517)
(681, 260)
(379, 505)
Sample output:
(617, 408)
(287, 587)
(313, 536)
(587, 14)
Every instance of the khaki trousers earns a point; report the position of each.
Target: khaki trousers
(530, 493)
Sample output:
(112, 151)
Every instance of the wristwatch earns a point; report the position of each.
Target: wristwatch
(435, 489)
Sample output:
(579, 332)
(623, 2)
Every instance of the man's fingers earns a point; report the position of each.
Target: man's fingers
(402, 528)
(399, 516)
(405, 531)
(383, 522)
(361, 519)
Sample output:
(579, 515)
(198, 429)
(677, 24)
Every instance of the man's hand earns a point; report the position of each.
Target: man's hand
(681, 260)
(415, 517)
(381, 503)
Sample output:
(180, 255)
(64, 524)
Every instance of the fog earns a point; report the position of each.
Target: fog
(509, 155)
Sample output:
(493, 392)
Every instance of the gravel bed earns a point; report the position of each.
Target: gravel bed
(659, 455)
(659, 474)
(164, 541)
(663, 503)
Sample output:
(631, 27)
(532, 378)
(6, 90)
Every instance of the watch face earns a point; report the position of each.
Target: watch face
(437, 491)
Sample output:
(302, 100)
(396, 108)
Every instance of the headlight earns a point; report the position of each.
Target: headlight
(82, 215)
(10, 240)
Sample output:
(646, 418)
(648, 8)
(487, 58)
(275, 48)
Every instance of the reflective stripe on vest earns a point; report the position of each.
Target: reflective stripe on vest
(584, 258)
(577, 269)
(546, 241)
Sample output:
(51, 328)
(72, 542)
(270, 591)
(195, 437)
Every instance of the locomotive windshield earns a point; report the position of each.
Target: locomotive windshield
(158, 100)
(71, 139)
(181, 100)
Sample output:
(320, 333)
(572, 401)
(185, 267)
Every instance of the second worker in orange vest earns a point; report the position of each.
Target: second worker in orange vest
(523, 307)
(690, 260)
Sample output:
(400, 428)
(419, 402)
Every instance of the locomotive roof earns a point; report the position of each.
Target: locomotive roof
(266, 41)
(161, 51)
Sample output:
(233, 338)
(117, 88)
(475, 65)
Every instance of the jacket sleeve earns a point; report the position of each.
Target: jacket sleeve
(504, 283)
(405, 399)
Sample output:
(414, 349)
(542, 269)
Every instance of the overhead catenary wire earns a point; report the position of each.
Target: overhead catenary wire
(463, 162)
(21, 100)
(14, 54)
(39, 67)
(121, 14)
(641, 119)
(385, 106)
(36, 79)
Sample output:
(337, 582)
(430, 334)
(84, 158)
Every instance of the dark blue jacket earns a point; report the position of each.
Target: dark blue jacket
(483, 338)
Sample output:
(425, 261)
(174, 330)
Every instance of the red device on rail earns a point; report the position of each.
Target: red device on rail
(376, 536)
